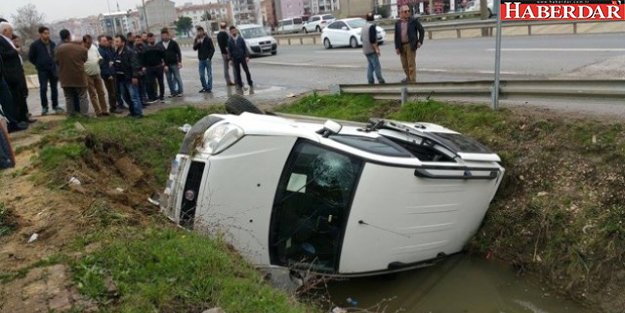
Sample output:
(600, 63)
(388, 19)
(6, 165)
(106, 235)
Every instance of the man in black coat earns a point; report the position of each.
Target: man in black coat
(41, 54)
(173, 63)
(14, 73)
(239, 57)
(203, 44)
(409, 34)
(222, 40)
(154, 61)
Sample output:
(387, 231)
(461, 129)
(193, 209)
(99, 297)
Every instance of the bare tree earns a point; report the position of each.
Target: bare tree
(27, 21)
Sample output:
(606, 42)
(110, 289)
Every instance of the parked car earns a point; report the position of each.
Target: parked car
(257, 39)
(316, 23)
(342, 200)
(346, 32)
(475, 5)
(289, 25)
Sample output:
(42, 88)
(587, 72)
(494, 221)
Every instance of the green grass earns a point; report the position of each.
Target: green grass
(170, 270)
(29, 68)
(559, 209)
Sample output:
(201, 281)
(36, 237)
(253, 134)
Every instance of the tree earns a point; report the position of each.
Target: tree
(384, 10)
(184, 24)
(27, 22)
(206, 16)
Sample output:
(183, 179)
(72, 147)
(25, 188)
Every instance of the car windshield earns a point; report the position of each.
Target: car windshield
(297, 21)
(356, 23)
(379, 145)
(253, 32)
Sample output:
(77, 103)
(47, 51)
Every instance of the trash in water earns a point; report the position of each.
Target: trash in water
(74, 181)
(119, 189)
(185, 128)
(33, 237)
(352, 302)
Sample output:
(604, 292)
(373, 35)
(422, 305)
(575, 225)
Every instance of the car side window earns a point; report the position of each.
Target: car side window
(340, 25)
(316, 18)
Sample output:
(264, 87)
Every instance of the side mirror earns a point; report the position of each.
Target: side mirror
(344, 28)
(329, 128)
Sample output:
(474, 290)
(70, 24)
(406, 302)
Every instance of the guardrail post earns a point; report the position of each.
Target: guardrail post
(458, 33)
(314, 40)
(529, 30)
(404, 95)
(289, 40)
(301, 41)
(574, 27)
(429, 34)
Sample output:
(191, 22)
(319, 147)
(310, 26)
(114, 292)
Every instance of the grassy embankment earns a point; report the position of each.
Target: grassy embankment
(560, 210)
(131, 259)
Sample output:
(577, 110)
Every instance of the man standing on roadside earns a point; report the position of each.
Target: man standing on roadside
(239, 57)
(173, 63)
(203, 44)
(127, 68)
(71, 58)
(41, 54)
(14, 74)
(409, 35)
(154, 61)
(94, 81)
(106, 72)
(369, 36)
(222, 40)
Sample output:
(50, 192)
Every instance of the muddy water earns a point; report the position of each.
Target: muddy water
(460, 284)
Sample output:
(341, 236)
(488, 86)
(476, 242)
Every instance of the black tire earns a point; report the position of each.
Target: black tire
(353, 42)
(318, 29)
(305, 30)
(274, 52)
(197, 130)
(238, 104)
(327, 44)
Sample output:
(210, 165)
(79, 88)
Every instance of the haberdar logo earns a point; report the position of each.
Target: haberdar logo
(563, 10)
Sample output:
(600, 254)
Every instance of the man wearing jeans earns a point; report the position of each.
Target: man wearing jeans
(173, 63)
(370, 48)
(127, 69)
(203, 44)
(41, 54)
(409, 35)
(239, 57)
(222, 40)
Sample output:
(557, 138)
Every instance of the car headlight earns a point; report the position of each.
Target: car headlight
(220, 137)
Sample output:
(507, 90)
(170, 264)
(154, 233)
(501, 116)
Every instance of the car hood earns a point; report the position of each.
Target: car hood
(255, 41)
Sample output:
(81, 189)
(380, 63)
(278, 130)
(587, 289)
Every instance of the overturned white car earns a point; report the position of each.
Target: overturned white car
(332, 199)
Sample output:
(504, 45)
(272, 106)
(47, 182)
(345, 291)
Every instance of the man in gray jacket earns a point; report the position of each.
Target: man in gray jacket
(369, 38)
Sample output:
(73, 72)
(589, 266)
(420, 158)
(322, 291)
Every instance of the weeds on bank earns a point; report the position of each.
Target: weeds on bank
(7, 223)
(170, 270)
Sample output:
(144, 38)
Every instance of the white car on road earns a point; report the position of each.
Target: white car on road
(257, 39)
(346, 32)
(340, 200)
(318, 22)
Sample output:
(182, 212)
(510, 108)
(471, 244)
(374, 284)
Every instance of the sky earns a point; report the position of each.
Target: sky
(56, 10)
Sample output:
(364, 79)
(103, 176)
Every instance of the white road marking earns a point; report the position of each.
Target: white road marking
(559, 50)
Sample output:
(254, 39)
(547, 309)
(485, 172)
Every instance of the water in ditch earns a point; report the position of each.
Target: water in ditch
(461, 284)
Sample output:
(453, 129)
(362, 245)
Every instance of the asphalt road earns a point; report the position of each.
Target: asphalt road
(299, 69)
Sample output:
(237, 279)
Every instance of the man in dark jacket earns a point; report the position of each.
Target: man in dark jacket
(127, 68)
(203, 44)
(409, 35)
(238, 55)
(173, 63)
(14, 74)
(106, 71)
(222, 40)
(41, 54)
(153, 62)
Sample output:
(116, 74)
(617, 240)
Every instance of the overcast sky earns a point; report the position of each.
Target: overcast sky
(55, 10)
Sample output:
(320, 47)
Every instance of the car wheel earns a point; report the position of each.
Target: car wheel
(238, 104)
(274, 52)
(318, 29)
(196, 131)
(353, 42)
(305, 30)
(327, 44)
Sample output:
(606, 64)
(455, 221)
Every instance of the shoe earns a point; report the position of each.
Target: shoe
(179, 95)
(202, 90)
(115, 111)
(172, 95)
(161, 101)
(31, 120)
(58, 110)
(208, 91)
(44, 111)
(18, 127)
(151, 101)
(231, 84)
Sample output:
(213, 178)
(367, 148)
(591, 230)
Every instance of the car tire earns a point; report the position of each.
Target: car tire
(274, 52)
(197, 130)
(238, 104)
(318, 29)
(327, 44)
(305, 30)
(353, 42)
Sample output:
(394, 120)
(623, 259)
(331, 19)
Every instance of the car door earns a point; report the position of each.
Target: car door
(312, 206)
(341, 34)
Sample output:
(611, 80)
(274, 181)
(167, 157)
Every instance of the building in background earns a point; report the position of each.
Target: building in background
(219, 12)
(78, 27)
(119, 22)
(324, 6)
(157, 14)
(246, 12)
(268, 11)
(292, 8)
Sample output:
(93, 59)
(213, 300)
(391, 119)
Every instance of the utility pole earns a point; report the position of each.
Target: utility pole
(495, 95)
(484, 15)
(145, 16)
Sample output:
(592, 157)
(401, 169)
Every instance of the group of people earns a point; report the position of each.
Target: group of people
(130, 69)
(409, 35)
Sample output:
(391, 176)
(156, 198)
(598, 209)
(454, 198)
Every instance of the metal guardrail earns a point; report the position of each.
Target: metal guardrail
(591, 89)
